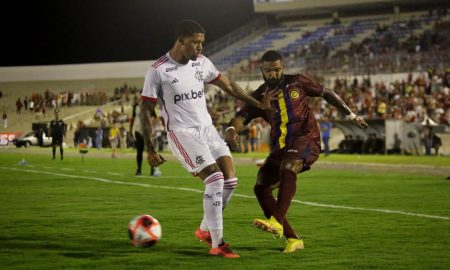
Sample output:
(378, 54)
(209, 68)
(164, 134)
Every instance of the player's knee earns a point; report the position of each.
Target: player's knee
(295, 166)
(208, 170)
(229, 173)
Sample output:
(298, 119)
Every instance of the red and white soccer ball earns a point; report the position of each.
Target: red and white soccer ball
(144, 231)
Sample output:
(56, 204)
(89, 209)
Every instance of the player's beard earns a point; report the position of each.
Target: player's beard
(273, 82)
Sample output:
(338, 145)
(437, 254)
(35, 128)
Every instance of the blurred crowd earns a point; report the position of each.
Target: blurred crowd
(409, 99)
(400, 46)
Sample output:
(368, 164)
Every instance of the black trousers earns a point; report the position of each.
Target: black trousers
(139, 144)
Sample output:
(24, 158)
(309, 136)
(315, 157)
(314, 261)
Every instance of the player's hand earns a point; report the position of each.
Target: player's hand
(232, 137)
(360, 122)
(154, 159)
(268, 97)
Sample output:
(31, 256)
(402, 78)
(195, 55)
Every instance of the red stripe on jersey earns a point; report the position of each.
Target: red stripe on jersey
(181, 149)
(152, 99)
(215, 79)
(160, 61)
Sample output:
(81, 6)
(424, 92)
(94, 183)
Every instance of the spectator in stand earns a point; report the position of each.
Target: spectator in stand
(19, 106)
(25, 103)
(31, 106)
(114, 139)
(243, 135)
(99, 137)
(122, 136)
(436, 143)
(5, 120)
(252, 136)
(325, 126)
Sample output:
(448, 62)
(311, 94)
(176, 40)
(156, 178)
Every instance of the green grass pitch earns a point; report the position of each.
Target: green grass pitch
(73, 215)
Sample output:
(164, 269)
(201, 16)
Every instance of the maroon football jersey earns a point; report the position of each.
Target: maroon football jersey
(291, 117)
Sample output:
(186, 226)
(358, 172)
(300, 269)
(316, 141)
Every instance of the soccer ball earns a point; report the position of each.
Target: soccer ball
(144, 231)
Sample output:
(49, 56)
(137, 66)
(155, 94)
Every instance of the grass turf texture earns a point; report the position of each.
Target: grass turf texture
(61, 221)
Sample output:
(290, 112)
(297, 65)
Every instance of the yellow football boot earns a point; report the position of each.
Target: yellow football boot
(270, 225)
(293, 244)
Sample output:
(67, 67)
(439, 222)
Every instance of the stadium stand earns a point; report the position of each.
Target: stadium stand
(345, 46)
(112, 96)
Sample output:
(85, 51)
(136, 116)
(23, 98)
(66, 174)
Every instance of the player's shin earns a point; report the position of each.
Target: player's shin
(212, 206)
(286, 192)
(265, 199)
(229, 187)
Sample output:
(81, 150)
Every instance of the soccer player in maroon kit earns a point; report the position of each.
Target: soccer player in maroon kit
(294, 136)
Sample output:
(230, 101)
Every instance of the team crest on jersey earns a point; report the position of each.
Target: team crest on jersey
(199, 160)
(199, 75)
(294, 94)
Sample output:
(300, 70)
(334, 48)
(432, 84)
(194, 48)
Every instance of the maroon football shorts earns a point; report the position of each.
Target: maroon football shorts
(301, 148)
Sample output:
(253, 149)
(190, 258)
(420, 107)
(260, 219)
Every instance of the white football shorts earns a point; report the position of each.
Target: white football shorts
(198, 147)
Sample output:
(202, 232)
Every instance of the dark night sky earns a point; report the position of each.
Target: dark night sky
(92, 31)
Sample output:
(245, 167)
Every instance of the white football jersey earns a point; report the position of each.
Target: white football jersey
(180, 91)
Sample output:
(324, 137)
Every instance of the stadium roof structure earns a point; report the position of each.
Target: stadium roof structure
(287, 8)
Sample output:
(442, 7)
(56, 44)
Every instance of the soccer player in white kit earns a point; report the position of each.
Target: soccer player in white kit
(176, 81)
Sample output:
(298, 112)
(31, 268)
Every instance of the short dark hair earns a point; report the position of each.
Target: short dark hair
(187, 28)
(271, 56)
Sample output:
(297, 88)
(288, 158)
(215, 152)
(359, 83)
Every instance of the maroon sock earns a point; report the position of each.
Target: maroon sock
(287, 189)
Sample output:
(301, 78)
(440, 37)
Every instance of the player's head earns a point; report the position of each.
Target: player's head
(190, 35)
(272, 67)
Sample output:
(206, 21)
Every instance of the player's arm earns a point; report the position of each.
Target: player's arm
(147, 110)
(235, 126)
(236, 91)
(332, 98)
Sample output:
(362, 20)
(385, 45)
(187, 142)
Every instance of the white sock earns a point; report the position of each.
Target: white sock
(204, 224)
(229, 186)
(212, 207)
(217, 237)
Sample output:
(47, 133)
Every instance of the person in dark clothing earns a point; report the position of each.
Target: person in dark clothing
(57, 132)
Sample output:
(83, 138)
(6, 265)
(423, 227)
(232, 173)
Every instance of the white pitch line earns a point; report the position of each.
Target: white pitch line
(164, 176)
(113, 173)
(387, 211)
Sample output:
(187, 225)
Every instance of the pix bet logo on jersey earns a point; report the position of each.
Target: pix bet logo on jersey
(187, 96)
